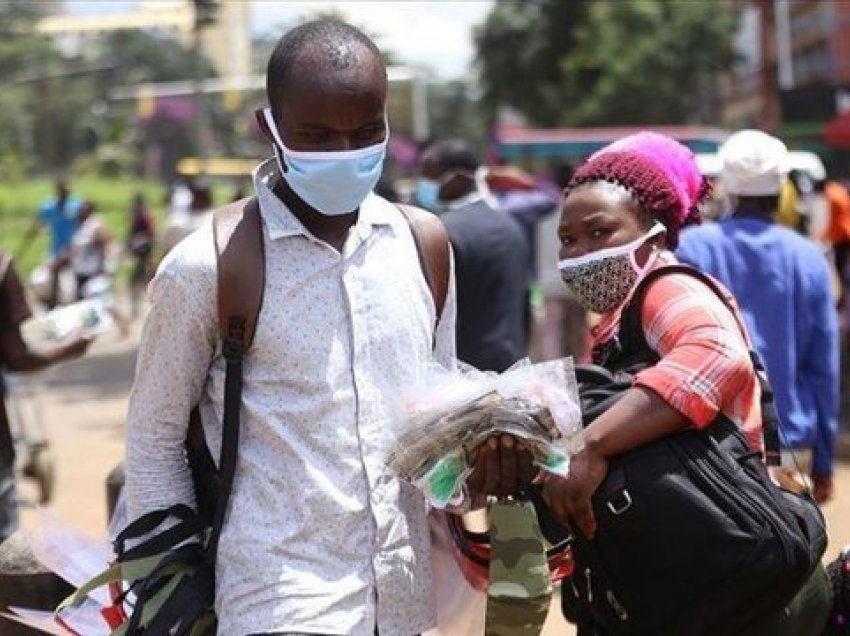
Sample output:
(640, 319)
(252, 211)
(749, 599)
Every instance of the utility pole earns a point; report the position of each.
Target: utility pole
(205, 15)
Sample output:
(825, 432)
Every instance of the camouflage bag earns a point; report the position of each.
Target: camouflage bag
(520, 588)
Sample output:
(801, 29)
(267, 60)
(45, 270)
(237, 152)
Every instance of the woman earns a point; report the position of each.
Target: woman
(621, 216)
(140, 241)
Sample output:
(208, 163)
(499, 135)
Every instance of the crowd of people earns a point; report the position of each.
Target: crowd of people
(319, 537)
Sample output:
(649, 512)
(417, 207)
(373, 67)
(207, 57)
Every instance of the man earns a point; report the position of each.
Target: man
(60, 216)
(16, 356)
(781, 281)
(491, 259)
(320, 538)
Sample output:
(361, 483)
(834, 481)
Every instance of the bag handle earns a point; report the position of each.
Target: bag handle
(434, 251)
(633, 338)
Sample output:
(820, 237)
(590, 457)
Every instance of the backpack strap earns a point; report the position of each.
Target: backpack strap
(240, 252)
(633, 339)
(240, 257)
(433, 249)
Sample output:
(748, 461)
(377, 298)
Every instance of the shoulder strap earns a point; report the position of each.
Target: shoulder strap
(432, 246)
(238, 234)
(240, 254)
(633, 338)
(631, 323)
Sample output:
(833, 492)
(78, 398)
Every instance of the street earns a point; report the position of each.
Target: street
(84, 409)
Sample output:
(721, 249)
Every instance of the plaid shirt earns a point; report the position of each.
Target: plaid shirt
(705, 367)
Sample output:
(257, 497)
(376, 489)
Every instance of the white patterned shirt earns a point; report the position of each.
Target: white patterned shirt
(320, 537)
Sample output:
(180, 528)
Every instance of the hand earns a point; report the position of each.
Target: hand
(502, 466)
(76, 347)
(569, 498)
(822, 487)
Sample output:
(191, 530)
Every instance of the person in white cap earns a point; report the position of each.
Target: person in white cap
(782, 283)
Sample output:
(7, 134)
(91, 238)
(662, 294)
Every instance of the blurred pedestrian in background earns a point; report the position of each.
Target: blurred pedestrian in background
(795, 202)
(528, 201)
(89, 247)
(490, 252)
(140, 242)
(782, 283)
(59, 215)
(16, 356)
(837, 232)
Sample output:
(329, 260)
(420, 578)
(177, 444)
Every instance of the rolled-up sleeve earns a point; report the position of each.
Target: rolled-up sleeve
(177, 346)
(705, 364)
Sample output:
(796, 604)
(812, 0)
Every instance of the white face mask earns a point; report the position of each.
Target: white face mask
(602, 280)
(334, 182)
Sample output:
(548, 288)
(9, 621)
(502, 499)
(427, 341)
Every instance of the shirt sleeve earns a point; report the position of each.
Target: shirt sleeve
(820, 367)
(177, 347)
(14, 308)
(705, 363)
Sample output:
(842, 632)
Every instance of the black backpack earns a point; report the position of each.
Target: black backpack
(693, 537)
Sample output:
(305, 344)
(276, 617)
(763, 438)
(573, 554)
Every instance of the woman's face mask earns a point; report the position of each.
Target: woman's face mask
(333, 183)
(602, 280)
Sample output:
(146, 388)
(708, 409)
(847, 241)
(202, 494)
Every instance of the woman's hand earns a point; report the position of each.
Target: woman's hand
(502, 466)
(569, 498)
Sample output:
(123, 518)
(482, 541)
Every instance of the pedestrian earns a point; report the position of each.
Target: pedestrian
(620, 220)
(16, 355)
(782, 283)
(320, 537)
(491, 258)
(60, 216)
(837, 231)
(140, 242)
(89, 247)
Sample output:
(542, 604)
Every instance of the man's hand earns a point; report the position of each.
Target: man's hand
(502, 466)
(822, 487)
(569, 498)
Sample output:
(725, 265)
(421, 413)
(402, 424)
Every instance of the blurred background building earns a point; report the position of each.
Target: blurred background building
(792, 75)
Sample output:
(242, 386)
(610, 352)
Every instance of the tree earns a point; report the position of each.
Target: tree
(141, 56)
(606, 62)
(24, 57)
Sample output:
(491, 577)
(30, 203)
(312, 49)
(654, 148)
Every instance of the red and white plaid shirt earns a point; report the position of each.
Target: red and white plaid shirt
(705, 367)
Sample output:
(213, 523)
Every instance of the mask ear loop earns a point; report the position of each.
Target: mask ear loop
(657, 228)
(277, 145)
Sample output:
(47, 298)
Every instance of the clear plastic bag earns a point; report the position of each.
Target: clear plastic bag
(446, 414)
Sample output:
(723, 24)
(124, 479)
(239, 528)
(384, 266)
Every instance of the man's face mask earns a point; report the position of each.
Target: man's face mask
(333, 183)
(601, 281)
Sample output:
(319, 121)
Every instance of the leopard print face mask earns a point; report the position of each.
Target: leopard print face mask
(601, 281)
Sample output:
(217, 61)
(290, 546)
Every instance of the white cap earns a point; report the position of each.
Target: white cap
(753, 164)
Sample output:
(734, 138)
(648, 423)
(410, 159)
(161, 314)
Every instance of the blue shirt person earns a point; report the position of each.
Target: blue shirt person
(782, 284)
(60, 216)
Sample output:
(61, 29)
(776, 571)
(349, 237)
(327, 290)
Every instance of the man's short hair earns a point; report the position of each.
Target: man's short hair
(338, 45)
(452, 155)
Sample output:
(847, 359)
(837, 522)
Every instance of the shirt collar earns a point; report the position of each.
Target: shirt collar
(280, 220)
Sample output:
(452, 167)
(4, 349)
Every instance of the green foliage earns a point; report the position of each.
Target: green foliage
(606, 62)
(143, 56)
